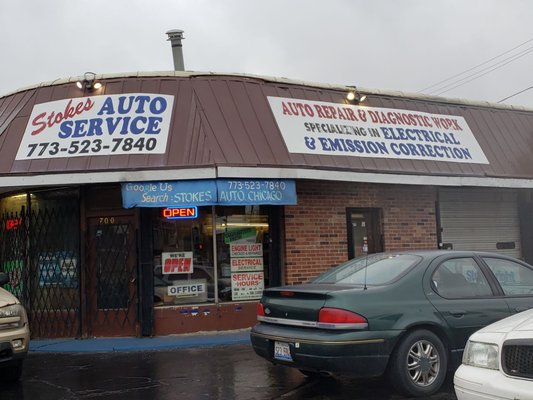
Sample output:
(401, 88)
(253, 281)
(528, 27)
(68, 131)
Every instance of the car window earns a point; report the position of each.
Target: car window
(375, 269)
(514, 278)
(459, 278)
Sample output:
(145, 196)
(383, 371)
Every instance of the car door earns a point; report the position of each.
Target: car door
(464, 297)
(516, 281)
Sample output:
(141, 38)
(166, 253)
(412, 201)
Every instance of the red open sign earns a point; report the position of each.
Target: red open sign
(13, 223)
(180, 212)
(177, 266)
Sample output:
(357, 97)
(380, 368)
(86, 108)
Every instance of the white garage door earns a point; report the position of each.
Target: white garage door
(480, 219)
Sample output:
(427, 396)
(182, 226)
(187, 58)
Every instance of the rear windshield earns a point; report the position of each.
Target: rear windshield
(375, 269)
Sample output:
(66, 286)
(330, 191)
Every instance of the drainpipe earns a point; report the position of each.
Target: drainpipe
(175, 36)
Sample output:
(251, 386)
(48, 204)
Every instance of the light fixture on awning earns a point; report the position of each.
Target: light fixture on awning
(89, 82)
(354, 97)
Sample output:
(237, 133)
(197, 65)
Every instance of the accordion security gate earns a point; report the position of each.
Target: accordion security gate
(111, 277)
(65, 295)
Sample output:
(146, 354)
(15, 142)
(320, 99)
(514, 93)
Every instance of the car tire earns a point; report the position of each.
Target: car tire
(11, 373)
(419, 364)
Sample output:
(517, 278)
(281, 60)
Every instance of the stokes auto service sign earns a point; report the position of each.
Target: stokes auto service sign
(133, 123)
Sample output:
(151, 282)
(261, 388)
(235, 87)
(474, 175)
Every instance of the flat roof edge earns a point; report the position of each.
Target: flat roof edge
(16, 182)
(281, 80)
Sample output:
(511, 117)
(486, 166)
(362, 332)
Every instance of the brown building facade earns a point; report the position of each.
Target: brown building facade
(163, 203)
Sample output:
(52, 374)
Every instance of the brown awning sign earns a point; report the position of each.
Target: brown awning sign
(316, 127)
(132, 123)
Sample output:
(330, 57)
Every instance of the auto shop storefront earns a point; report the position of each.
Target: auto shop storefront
(165, 204)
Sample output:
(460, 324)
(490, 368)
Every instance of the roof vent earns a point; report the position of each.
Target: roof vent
(175, 36)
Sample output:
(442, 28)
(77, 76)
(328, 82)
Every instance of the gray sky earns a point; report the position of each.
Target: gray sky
(405, 45)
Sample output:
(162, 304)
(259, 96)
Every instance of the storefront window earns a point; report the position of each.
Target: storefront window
(183, 258)
(54, 252)
(40, 247)
(188, 271)
(13, 244)
(243, 251)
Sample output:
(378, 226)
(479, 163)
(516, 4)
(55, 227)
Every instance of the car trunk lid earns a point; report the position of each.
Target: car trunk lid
(298, 303)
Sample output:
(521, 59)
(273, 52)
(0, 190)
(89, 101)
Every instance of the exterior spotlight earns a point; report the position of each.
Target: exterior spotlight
(354, 97)
(89, 82)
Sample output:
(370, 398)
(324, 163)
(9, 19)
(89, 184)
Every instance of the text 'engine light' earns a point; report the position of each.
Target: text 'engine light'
(180, 212)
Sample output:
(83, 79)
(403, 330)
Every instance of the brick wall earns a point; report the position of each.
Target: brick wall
(316, 236)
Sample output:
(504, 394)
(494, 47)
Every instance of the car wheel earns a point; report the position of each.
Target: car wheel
(11, 373)
(419, 364)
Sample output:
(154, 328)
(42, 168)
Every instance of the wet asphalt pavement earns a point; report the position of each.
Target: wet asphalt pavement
(219, 372)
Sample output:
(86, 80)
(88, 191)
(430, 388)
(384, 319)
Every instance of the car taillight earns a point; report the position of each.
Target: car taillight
(286, 293)
(337, 318)
(260, 310)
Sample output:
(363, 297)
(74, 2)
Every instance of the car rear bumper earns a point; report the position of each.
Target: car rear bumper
(357, 353)
(473, 383)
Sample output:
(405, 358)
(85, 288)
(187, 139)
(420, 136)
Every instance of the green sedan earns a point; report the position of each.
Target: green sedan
(405, 314)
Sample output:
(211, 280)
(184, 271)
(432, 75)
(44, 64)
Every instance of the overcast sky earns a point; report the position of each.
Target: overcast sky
(404, 45)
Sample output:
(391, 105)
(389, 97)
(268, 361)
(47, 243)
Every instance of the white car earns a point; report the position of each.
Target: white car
(498, 361)
(14, 334)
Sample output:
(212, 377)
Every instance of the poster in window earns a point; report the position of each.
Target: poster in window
(58, 269)
(179, 262)
(247, 285)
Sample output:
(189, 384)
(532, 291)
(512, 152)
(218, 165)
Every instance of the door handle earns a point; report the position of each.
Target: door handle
(457, 313)
(520, 309)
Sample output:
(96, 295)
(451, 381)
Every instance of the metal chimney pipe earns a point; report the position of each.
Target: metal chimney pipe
(175, 36)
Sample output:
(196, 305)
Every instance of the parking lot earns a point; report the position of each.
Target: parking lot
(214, 372)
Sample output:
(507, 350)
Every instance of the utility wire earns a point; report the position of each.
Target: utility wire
(475, 67)
(514, 94)
(481, 73)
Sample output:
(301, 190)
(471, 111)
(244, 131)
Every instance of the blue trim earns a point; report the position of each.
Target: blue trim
(98, 345)
(209, 192)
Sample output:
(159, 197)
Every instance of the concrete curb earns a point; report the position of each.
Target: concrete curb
(103, 345)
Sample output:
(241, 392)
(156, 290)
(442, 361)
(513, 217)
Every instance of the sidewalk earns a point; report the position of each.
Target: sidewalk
(102, 345)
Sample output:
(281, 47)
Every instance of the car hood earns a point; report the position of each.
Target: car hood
(516, 323)
(7, 298)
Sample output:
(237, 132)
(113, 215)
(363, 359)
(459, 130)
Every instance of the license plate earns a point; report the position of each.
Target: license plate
(282, 351)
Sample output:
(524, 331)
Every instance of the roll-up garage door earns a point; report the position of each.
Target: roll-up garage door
(480, 219)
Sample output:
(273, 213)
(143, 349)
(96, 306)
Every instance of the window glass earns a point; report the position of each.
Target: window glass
(375, 269)
(183, 259)
(41, 247)
(14, 243)
(54, 242)
(514, 278)
(459, 278)
(242, 252)
(184, 262)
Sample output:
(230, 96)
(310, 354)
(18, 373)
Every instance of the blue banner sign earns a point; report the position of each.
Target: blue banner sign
(209, 192)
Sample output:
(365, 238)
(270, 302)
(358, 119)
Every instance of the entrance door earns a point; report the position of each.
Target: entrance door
(364, 232)
(111, 277)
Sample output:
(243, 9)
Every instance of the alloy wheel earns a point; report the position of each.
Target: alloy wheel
(423, 363)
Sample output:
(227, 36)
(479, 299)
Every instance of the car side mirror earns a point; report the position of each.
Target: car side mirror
(4, 278)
